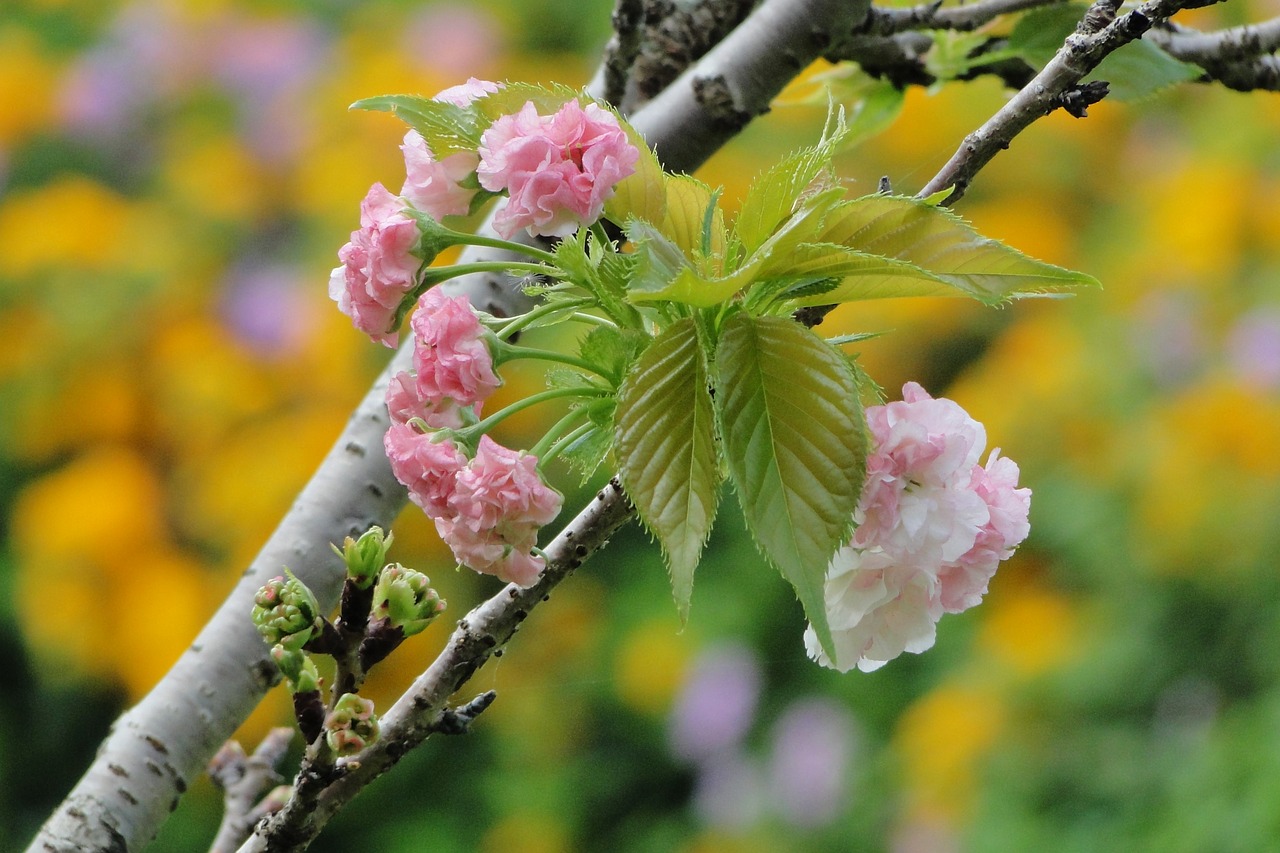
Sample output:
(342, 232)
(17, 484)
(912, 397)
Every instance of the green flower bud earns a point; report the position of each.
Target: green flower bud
(365, 556)
(405, 600)
(285, 611)
(351, 725)
(297, 667)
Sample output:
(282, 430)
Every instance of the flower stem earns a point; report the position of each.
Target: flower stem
(472, 434)
(495, 243)
(510, 352)
(547, 449)
(524, 320)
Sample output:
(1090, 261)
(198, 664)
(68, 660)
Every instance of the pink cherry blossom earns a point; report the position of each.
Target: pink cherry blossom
(378, 266)
(498, 504)
(450, 354)
(434, 186)
(431, 185)
(558, 170)
(933, 524)
(427, 467)
(404, 403)
(464, 93)
(964, 580)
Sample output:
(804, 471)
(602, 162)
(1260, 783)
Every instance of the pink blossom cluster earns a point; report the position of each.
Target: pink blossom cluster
(933, 524)
(488, 509)
(379, 268)
(558, 170)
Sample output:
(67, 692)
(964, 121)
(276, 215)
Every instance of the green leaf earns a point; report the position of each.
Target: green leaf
(512, 97)
(795, 442)
(859, 276)
(585, 453)
(666, 450)
(691, 216)
(1038, 34)
(1140, 69)
(944, 247)
(612, 349)
(447, 128)
(784, 189)
(642, 194)
(658, 260)
(953, 53)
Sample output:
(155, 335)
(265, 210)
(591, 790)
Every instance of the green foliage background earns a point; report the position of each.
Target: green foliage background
(175, 179)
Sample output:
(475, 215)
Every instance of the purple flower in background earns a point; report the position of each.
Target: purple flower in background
(729, 791)
(1253, 347)
(1169, 336)
(814, 742)
(269, 308)
(268, 64)
(716, 704)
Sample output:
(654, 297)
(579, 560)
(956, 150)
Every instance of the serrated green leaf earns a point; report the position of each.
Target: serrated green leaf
(585, 453)
(612, 349)
(512, 97)
(794, 440)
(666, 450)
(944, 247)
(784, 189)
(691, 215)
(447, 128)
(872, 103)
(1139, 70)
(643, 193)
(859, 276)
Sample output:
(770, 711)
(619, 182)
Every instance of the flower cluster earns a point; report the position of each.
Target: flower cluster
(558, 170)
(435, 186)
(489, 508)
(933, 523)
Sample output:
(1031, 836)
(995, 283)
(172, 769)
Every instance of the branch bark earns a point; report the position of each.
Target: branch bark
(157, 747)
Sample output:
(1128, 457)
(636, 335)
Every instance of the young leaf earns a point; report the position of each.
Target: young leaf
(447, 128)
(945, 247)
(612, 349)
(794, 439)
(775, 195)
(585, 453)
(1139, 70)
(858, 275)
(666, 450)
(689, 203)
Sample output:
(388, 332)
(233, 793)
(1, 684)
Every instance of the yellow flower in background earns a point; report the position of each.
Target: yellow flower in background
(76, 534)
(72, 221)
(27, 81)
(212, 176)
(526, 832)
(942, 740)
(650, 666)
(1027, 626)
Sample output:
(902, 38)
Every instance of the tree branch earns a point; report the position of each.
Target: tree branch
(244, 780)
(422, 710)
(156, 748)
(1057, 85)
(1240, 58)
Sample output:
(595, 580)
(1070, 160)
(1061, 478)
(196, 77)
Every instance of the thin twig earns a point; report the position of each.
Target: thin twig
(1057, 85)
(244, 780)
(1240, 58)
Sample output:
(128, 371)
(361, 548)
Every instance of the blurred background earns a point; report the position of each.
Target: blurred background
(175, 181)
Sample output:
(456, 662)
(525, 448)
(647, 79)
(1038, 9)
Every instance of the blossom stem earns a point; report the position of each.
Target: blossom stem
(495, 243)
(530, 317)
(505, 352)
(472, 433)
(549, 448)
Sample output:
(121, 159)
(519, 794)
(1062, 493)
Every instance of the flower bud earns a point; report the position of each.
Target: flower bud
(297, 667)
(404, 599)
(351, 725)
(365, 556)
(285, 611)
